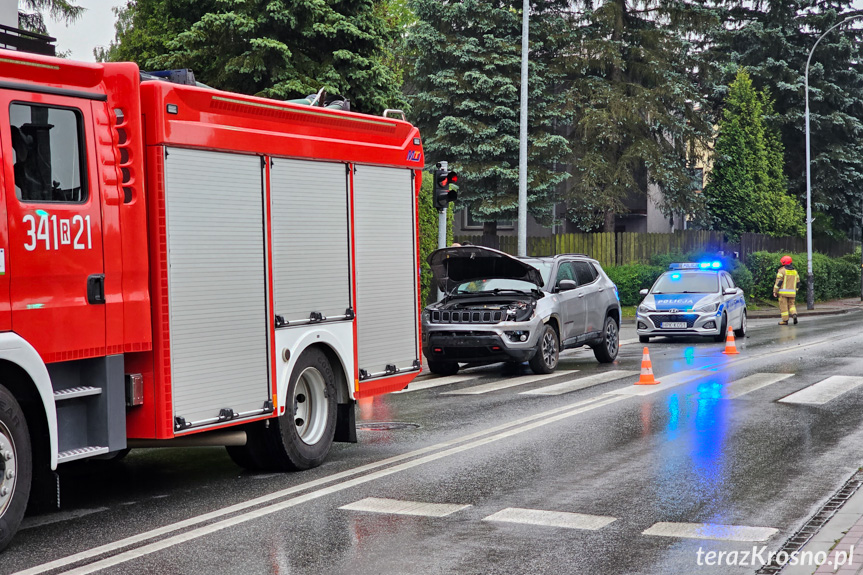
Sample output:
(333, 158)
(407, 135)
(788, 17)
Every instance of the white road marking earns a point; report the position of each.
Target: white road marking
(580, 383)
(518, 425)
(42, 520)
(825, 390)
(551, 518)
(712, 531)
(397, 507)
(752, 382)
(666, 382)
(431, 382)
(507, 383)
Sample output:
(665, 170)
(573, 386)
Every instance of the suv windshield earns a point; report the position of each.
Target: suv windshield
(691, 282)
(478, 286)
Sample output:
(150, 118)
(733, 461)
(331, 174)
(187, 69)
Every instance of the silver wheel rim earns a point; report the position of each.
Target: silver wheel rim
(611, 338)
(549, 349)
(8, 468)
(310, 406)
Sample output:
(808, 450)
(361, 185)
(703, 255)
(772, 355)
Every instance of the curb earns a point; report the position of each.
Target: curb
(764, 314)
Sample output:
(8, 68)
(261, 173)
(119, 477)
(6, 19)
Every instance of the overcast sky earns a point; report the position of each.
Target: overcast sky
(96, 28)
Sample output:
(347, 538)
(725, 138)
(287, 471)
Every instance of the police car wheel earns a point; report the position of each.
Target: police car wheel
(742, 331)
(719, 337)
(16, 466)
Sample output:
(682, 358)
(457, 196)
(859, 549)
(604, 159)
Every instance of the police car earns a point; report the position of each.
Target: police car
(692, 299)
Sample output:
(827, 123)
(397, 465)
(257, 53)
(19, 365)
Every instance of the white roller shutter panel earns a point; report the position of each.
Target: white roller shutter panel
(216, 283)
(311, 268)
(386, 264)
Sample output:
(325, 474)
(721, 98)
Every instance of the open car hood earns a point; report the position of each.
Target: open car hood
(454, 266)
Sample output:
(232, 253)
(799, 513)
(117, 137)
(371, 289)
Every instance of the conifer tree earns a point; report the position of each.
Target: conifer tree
(275, 48)
(772, 39)
(745, 191)
(467, 81)
(637, 112)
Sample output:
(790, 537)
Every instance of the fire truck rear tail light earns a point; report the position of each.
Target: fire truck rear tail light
(134, 389)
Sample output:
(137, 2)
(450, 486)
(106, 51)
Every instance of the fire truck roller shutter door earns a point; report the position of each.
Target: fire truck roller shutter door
(311, 267)
(386, 266)
(216, 283)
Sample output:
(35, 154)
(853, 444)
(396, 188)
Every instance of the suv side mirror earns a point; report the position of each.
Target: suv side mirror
(643, 292)
(566, 285)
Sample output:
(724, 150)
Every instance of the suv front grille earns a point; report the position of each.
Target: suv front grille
(659, 318)
(466, 316)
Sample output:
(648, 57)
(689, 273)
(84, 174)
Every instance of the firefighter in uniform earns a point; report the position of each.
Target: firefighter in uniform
(785, 289)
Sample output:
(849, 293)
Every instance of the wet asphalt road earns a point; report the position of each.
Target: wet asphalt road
(683, 452)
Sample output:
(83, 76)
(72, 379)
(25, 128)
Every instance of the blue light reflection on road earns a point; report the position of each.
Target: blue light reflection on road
(693, 442)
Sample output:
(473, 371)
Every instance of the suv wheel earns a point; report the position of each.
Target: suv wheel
(546, 356)
(443, 367)
(606, 350)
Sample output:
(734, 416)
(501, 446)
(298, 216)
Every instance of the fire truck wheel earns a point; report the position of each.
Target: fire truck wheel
(15, 466)
(302, 437)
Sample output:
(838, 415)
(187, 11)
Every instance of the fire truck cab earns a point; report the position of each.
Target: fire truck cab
(182, 264)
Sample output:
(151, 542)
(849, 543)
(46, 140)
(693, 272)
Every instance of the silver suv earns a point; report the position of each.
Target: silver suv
(500, 308)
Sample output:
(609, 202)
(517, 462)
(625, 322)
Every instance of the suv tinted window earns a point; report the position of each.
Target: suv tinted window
(565, 272)
(584, 272)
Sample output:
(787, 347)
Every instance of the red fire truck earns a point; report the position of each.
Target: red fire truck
(185, 266)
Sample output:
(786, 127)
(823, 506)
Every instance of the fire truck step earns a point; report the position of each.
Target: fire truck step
(80, 453)
(74, 392)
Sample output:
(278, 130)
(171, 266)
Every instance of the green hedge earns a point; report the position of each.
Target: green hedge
(428, 235)
(834, 277)
(632, 278)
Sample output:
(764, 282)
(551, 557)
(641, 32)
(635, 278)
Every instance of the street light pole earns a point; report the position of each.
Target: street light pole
(810, 279)
(522, 135)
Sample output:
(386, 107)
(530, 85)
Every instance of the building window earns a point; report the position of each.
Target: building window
(697, 179)
(471, 224)
(48, 152)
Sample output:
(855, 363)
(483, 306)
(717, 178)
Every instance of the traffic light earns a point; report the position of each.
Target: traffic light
(442, 180)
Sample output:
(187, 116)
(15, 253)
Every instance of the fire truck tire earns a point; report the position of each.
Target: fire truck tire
(302, 437)
(16, 466)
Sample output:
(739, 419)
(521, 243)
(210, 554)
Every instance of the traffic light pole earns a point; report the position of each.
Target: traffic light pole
(441, 239)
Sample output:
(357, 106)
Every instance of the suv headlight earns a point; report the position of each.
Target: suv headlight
(708, 307)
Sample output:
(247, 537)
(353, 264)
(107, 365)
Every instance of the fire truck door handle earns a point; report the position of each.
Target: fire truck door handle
(96, 289)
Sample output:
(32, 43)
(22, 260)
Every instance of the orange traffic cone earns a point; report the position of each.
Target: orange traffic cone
(646, 371)
(730, 345)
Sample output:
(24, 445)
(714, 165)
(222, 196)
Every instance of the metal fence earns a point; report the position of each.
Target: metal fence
(629, 248)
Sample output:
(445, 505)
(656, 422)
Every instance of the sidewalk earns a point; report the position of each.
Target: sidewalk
(836, 539)
(837, 306)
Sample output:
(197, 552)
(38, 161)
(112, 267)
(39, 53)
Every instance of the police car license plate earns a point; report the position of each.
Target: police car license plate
(673, 325)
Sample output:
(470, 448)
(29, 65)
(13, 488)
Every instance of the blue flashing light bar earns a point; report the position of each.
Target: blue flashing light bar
(696, 266)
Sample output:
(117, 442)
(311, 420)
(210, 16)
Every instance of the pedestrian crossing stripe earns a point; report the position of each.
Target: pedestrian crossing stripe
(712, 531)
(398, 507)
(825, 390)
(752, 383)
(432, 382)
(507, 383)
(580, 383)
(550, 518)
